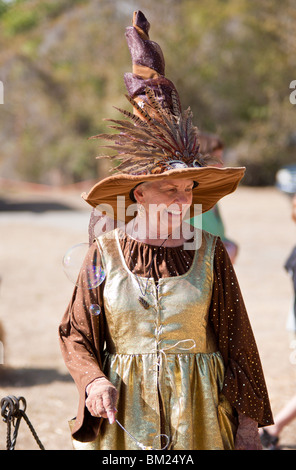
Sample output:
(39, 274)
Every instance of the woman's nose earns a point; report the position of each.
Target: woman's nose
(182, 198)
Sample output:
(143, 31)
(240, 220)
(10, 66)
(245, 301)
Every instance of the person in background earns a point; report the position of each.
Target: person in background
(270, 439)
(212, 222)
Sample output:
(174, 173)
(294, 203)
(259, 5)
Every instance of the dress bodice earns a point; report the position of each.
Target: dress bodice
(177, 318)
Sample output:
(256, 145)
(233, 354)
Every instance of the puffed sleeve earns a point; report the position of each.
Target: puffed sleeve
(244, 383)
(81, 336)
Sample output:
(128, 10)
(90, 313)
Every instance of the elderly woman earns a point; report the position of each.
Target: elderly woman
(162, 350)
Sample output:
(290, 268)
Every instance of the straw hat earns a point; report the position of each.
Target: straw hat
(157, 140)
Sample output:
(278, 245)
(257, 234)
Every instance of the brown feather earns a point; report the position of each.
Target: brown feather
(150, 141)
(144, 115)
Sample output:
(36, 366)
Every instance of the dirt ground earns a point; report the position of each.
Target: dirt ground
(36, 231)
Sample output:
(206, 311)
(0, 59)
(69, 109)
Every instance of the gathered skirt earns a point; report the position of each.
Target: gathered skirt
(167, 401)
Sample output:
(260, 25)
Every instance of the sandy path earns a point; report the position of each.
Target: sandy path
(34, 293)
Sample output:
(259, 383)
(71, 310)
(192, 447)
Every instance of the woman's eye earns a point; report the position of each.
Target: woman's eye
(173, 190)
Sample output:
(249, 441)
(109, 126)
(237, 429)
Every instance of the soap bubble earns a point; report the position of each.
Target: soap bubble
(73, 261)
(95, 309)
(95, 275)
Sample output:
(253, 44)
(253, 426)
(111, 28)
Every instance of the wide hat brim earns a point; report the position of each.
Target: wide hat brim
(112, 194)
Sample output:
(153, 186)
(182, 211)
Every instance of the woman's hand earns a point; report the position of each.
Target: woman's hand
(101, 399)
(247, 436)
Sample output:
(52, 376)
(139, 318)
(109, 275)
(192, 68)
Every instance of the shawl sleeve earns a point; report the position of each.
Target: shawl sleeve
(244, 383)
(81, 337)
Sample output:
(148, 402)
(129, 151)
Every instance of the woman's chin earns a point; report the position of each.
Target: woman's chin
(173, 224)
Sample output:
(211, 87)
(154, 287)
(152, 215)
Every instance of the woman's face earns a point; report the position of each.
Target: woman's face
(166, 202)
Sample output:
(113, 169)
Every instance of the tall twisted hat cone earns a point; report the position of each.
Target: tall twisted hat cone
(148, 66)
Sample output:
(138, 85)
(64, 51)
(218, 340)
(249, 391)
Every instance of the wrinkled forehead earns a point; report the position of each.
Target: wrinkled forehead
(178, 183)
(152, 185)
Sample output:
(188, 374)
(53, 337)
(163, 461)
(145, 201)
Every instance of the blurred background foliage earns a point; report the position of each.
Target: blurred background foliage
(62, 64)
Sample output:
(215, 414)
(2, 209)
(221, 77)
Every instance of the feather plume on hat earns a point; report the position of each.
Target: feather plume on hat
(157, 141)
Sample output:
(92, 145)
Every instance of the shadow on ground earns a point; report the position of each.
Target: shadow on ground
(32, 206)
(28, 377)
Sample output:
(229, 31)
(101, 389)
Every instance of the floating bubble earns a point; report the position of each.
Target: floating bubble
(95, 309)
(73, 261)
(74, 258)
(94, 276)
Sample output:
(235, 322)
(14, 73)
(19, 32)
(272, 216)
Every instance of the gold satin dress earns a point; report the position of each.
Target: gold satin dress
(163, 360)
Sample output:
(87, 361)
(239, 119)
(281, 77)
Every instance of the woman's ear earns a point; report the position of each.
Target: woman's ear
(139, 194)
